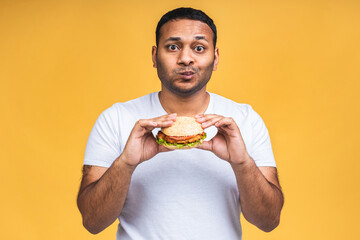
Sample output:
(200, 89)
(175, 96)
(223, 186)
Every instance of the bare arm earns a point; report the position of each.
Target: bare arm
(261, 198)
(102, 194)
(103, 191)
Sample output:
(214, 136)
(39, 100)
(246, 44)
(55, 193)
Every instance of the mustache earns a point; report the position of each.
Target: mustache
(186, 69)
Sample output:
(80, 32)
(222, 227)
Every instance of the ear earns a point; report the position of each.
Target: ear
(216, 60)
(153, 53)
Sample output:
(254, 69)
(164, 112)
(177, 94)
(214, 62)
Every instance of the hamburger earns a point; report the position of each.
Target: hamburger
(185, 133)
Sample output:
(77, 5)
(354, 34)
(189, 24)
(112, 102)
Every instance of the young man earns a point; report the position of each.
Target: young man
(182, 194)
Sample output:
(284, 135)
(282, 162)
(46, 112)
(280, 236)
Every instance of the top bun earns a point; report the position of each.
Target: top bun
(184, 126)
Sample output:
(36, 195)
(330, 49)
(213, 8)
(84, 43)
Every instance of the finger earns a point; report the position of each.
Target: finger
(206, 145)
(162, 121)
(226, 123)
(210, 120)
(165, 120)
(167, 116)
(204, 117)
(145, 124)
(228, 126)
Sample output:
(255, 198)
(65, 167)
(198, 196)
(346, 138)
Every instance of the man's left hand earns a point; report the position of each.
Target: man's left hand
(228, 143)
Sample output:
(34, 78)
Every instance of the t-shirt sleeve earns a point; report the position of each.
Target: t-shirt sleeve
(261, 150)
(102, 147)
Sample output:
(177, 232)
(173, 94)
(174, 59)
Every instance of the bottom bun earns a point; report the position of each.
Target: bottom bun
(173, 147)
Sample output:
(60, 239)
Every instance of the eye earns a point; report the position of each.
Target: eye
(199, 48)
(172, 47)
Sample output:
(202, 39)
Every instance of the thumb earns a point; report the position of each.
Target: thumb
(206, 145)
(164, 149)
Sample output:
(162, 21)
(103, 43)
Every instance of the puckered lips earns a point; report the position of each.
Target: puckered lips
(180, 139)
(187, 74)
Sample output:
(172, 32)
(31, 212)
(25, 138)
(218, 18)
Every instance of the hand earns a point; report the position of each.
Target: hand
(227, 143)
(141, 144)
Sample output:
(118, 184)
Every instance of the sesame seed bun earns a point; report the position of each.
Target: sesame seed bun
(183, 126)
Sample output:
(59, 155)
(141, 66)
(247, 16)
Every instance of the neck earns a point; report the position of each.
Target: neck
(184, 106)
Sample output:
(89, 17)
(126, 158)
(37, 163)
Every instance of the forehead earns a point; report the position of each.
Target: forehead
(185, 28)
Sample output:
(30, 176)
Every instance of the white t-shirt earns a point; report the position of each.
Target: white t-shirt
(182, 194)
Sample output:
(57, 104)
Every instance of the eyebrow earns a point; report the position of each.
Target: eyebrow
(201, 38)
(179, 38)
(173, 39)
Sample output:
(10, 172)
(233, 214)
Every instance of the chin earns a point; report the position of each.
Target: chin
(186, 90)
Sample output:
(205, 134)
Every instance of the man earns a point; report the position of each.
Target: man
(182, 194)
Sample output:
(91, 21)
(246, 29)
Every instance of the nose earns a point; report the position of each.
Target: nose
(185, 57)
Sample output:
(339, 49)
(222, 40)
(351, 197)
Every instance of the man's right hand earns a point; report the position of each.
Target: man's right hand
(141, 144)
(103, 191)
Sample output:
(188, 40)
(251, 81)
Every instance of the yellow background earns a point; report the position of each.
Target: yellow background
(63, 62)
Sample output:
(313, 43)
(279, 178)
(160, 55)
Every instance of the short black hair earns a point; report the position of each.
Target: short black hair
(186, 13)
